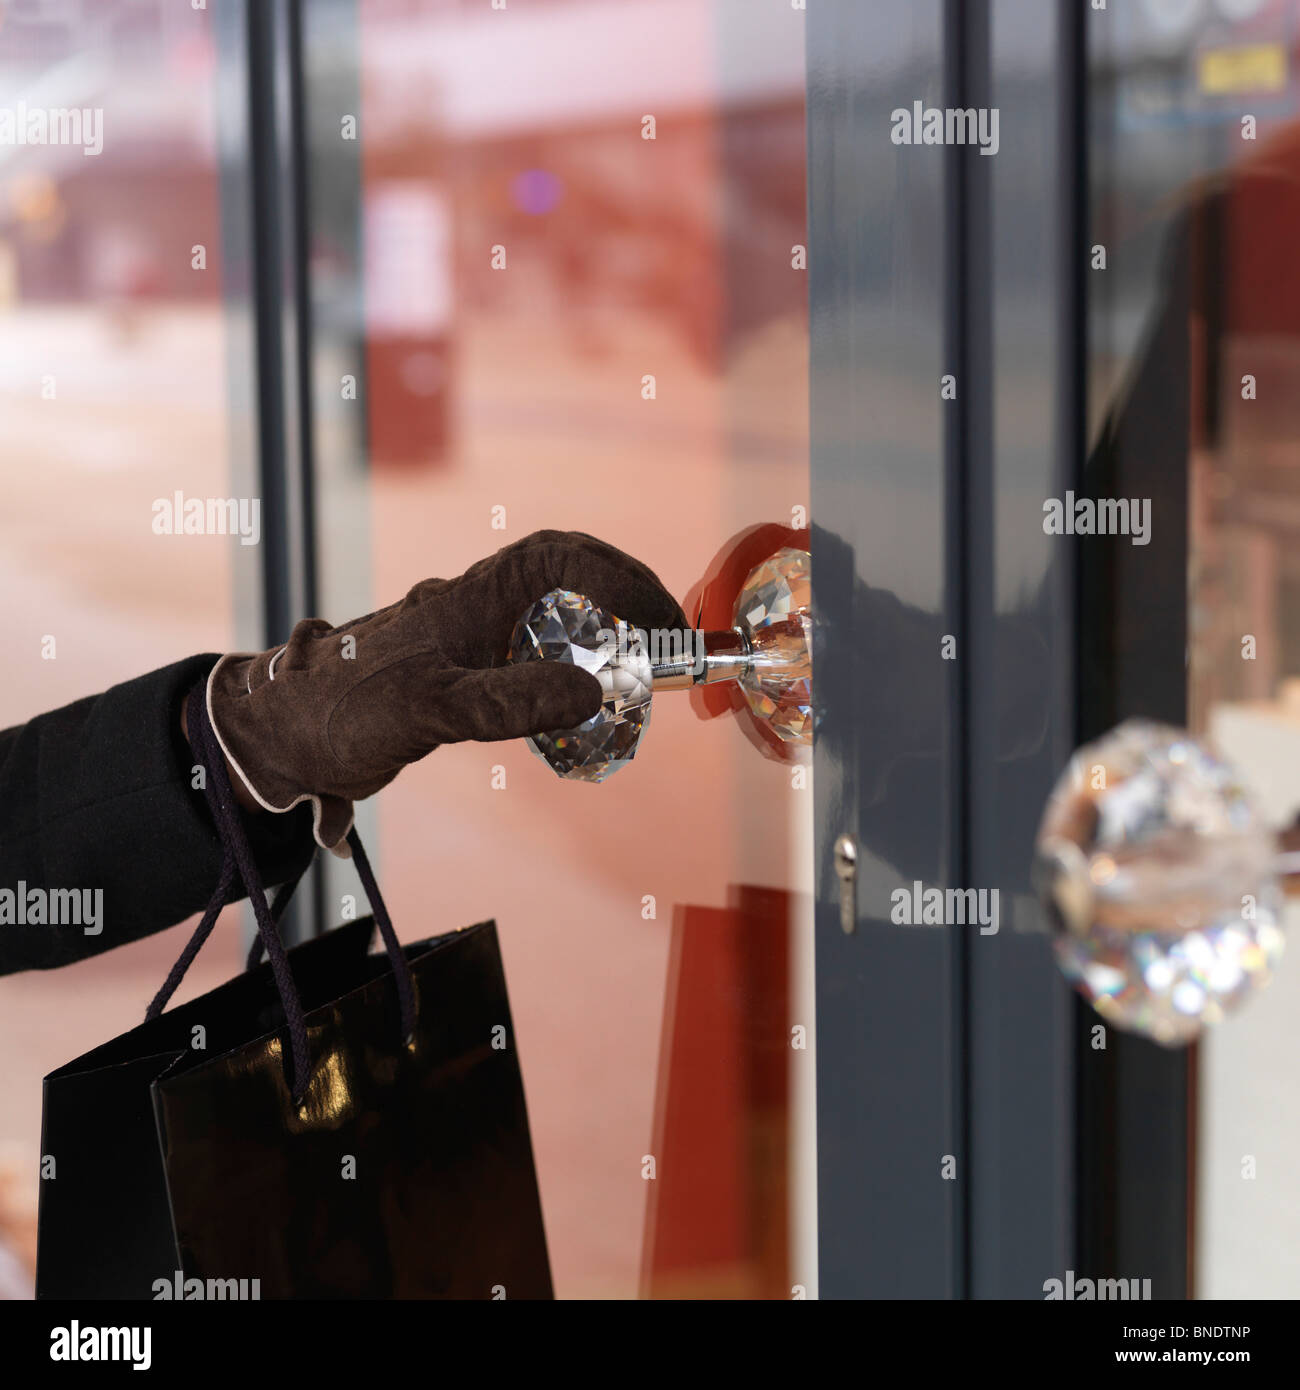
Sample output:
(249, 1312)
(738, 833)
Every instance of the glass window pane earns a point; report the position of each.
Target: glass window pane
(583, 300)
(117, 385)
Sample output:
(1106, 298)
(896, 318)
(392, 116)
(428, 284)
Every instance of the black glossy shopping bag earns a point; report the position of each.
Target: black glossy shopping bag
(330, 1124)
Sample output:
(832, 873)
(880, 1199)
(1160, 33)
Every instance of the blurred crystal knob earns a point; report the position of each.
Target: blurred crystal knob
(1161, 879)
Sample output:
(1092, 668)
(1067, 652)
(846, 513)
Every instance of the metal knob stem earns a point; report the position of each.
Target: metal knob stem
(767, 651)
(709, 657)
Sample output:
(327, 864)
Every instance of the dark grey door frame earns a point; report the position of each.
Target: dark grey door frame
(890, 1000)
(971, 1140)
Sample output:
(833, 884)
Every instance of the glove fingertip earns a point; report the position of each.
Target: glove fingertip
(567, 695)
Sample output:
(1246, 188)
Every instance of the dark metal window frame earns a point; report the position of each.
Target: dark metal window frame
(265, 196)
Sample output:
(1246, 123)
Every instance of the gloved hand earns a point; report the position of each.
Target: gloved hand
(337, 712)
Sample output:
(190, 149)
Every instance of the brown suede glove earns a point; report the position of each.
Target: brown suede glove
(337, 712)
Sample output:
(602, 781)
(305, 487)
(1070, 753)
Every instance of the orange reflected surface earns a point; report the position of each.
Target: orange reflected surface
(616, 343)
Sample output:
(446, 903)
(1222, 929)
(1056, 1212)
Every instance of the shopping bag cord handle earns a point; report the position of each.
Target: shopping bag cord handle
(278, 904)
(401, 969)
(237, 855)
(378, 908)
(194, 945)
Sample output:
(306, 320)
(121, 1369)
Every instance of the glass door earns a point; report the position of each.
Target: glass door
(1195, 167)
(558, 280)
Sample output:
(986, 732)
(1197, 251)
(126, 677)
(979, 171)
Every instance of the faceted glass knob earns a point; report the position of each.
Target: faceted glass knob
(768, 651)
(774, 612)
(1160, 875)
(564, 626)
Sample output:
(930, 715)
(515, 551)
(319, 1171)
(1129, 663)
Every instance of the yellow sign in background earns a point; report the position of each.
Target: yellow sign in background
(1257, 67)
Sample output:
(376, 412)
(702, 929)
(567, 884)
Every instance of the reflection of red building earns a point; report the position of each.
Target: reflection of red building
(545, 187)
(1244, 300)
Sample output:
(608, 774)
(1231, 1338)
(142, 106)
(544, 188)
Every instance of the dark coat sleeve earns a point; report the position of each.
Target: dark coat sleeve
(98, 795)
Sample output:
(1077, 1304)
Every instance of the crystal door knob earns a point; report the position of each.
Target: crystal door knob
(774, 614)
(768, 651)
(1162, 881)
(564, 626)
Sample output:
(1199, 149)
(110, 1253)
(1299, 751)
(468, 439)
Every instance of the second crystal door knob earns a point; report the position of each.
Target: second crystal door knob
(1163, 882)
(774, 611)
